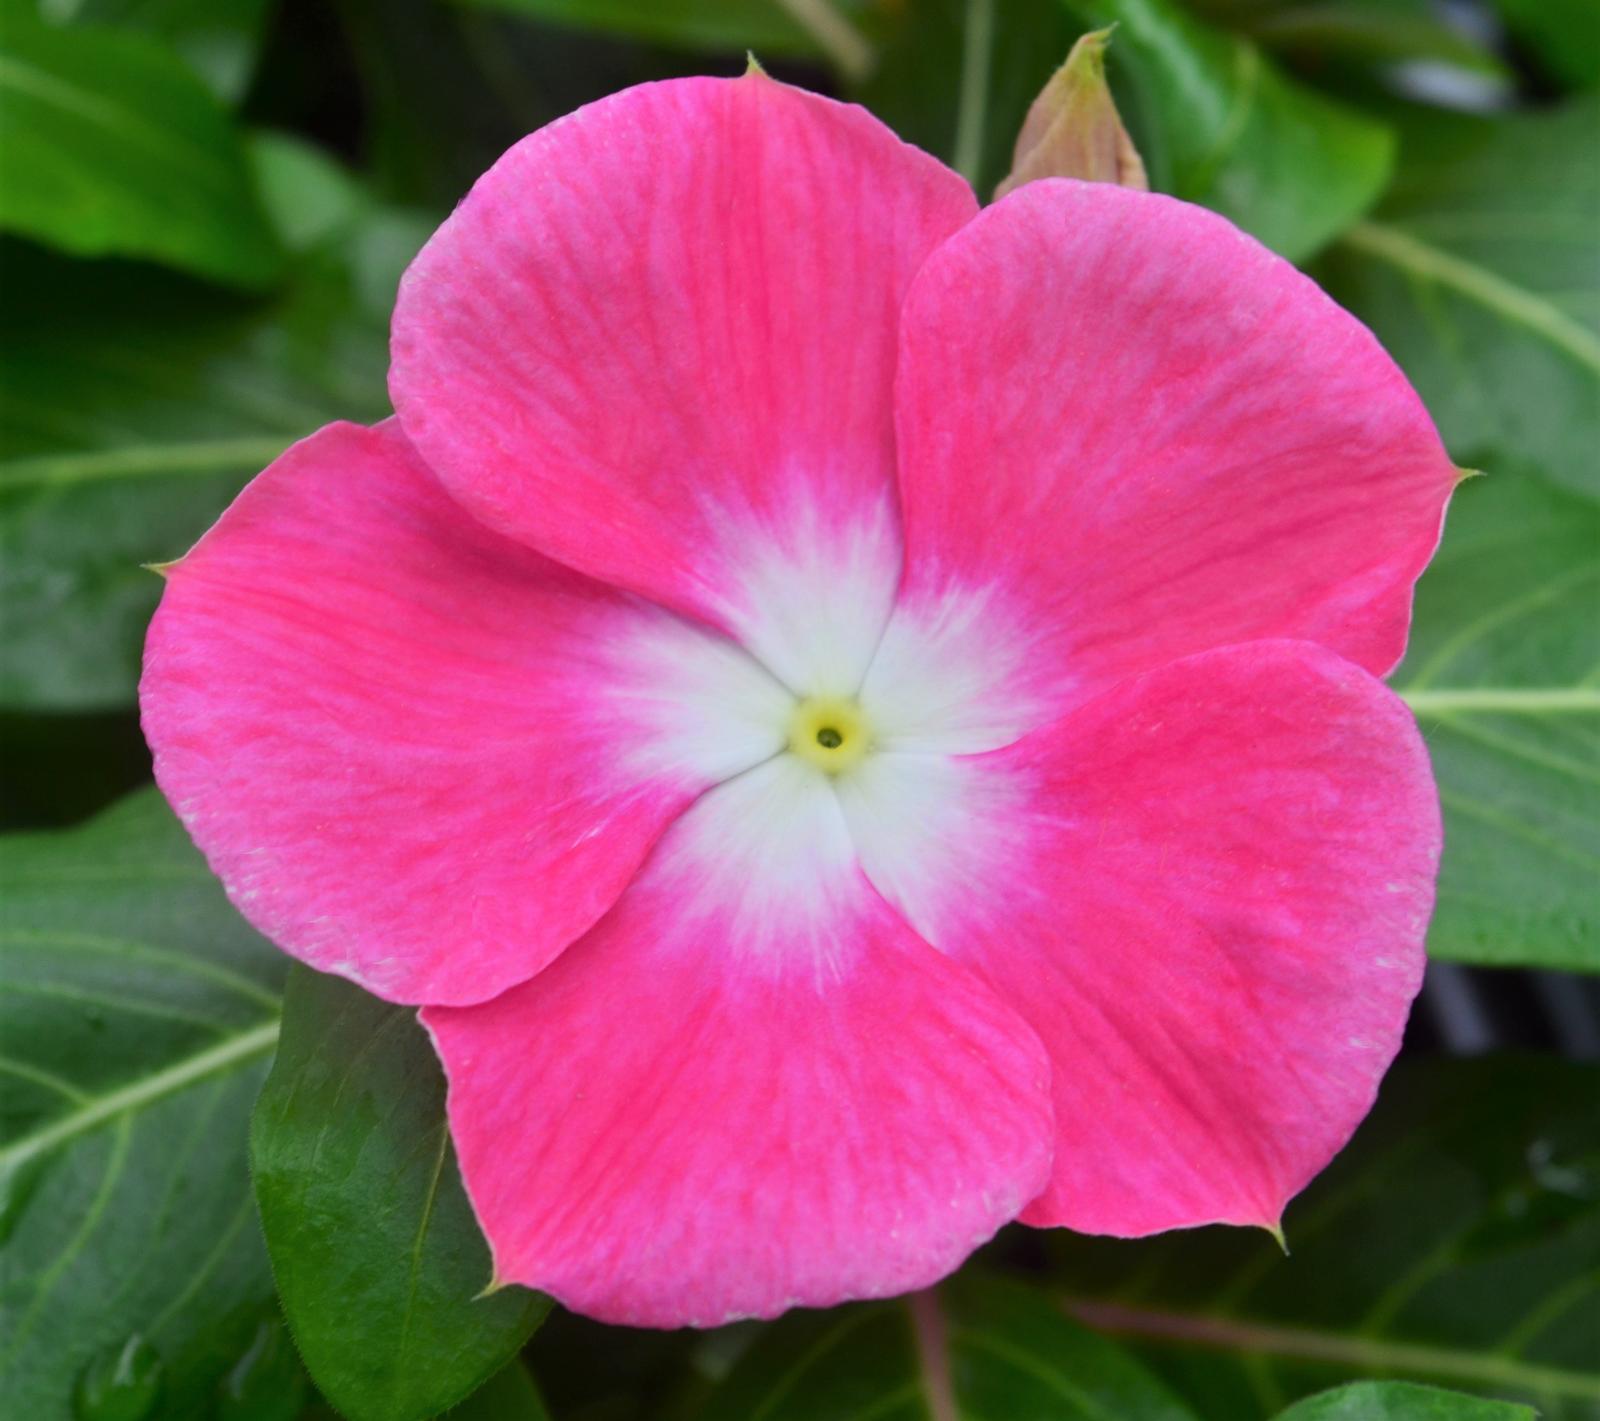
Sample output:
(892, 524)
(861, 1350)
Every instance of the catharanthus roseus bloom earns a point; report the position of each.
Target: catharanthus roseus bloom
(856, 718)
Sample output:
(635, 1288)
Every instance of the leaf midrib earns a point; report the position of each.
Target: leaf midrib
(201, 456)
(972, 96)
(1234, 1334)
(1509, 700)
(414, 1273)
(1515, 303)
(231, 1052)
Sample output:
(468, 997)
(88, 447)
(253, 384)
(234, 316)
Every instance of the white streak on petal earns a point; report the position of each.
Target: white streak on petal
(934, 830)
(815, 591)
(957, 673)
(768, 860)
(687, 699)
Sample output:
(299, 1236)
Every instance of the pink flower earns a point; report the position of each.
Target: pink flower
(856, 717)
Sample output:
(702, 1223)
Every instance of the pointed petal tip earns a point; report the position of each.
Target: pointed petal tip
(495, 1284)
(1462, 475)
(1276, 1231)
(163, 570)
(753, 68)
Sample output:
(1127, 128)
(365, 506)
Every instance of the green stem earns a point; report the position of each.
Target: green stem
(977, 56)
(1534, 700)
(933, 1355)
(214, 456)
(1359, 1354)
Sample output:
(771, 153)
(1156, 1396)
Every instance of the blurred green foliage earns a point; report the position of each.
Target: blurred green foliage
(114, 146)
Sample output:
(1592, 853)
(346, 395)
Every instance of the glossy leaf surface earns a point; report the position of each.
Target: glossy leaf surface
(1501, 673)
(1401, 1401)
(378, 1258)
(138, 1013)
(1478, 275)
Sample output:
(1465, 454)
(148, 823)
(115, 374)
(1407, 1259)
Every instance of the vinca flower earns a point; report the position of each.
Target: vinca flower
(856, 719)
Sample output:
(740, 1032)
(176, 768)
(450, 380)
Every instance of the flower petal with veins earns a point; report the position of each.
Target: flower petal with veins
(417, 754)
(659, 338)
(1207, 891)
(1146, 435)
(751, 1087)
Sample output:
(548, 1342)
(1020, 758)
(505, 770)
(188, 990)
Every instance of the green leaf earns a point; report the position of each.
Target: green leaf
(1401, 1401)
(1218, 124)
(1502, 673)
(379, 1261)
(113, 147)
(133, 406)
(1478, 274)
(1455, 1242)
(975, 1349)
(137, 1016)
(219, 42)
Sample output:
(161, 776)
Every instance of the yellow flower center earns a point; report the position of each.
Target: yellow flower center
(831, 732)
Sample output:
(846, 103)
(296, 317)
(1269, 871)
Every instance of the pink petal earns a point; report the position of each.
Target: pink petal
(1151, 436)
(657, 342)
(1207, 891)
(749, 1088)
(418, 754)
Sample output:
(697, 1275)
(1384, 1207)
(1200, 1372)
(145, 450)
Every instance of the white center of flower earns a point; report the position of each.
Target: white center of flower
(839, 727)
(830, 660)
